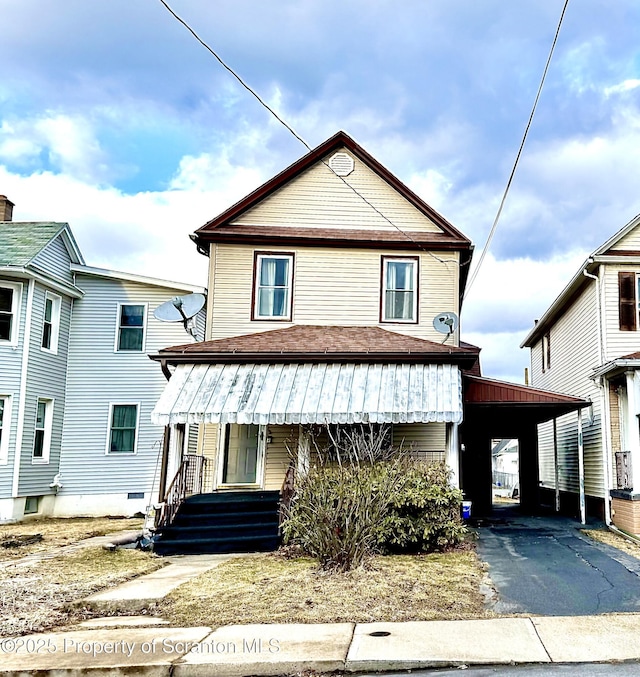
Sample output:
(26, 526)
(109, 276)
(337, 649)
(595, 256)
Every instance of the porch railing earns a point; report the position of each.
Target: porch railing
(188, 480)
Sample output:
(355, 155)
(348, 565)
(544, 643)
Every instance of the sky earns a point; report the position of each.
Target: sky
(115, 120)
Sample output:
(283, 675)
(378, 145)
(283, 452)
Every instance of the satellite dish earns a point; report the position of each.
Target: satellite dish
(181, 309)
(445, 323)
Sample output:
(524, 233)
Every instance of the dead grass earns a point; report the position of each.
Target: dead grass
(33, 597)
(609, 538)
(59, 532)
(271, 589)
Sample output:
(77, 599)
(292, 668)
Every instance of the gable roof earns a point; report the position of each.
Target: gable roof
(324, 343)
(220, 226)
(605, 253)
(22, 241)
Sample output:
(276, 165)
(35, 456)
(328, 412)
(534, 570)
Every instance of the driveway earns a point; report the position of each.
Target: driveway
(546, 566)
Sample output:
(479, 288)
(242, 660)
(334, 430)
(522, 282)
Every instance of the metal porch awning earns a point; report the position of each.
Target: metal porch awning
(311, 393)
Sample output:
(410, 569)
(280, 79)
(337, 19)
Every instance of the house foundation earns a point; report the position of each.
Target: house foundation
(626, 511)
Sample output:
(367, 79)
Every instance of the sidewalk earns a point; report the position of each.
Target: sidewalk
(281, 649)
(233, 651)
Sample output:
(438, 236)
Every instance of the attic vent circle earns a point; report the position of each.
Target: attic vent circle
(341, 163)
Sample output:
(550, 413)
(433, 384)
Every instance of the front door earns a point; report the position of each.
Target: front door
(243, 453)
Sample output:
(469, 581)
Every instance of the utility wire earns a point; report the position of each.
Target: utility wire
(292, 131)
(492, 232)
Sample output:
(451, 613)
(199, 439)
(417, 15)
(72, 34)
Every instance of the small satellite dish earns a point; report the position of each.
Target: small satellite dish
(181, 309)
(445, 323)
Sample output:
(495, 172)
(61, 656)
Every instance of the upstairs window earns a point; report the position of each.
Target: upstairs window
(122, 429)
(546, 352)
(273, 282)
(627, 301)
(399, 289)
(131, 322)
(42, 435)
(51, 322)
(9, 303)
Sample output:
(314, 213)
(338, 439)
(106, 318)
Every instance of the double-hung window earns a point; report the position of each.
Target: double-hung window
(51, 322)
(42, 431)
(9, 305)
(131, 324)
(273, 286)
(5, 415)
(399, 289)
(123, 425)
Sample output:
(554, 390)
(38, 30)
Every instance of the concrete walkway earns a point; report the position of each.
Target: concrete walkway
(232, 651)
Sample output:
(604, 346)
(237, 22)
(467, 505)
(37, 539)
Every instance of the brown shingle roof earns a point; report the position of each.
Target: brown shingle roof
(328, 342)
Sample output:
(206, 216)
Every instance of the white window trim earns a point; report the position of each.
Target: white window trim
(256, 282)
(414, 309)
(260, 463)
(123, 454)
(56, 304)
(48, 427)
(16, 287)
(6, 430)
(144, 329)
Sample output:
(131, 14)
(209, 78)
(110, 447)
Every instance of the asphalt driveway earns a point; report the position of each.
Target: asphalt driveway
(546, 566)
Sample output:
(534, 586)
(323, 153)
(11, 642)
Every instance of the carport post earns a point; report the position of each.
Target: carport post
(555, 463)
(581, 468)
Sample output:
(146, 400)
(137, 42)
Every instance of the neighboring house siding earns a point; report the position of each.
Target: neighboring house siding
(98, 376)
(46, 376)
(574, 353)
(318, 198)
(10, 371)
(55, 260)
(330, 286)
(618, 343)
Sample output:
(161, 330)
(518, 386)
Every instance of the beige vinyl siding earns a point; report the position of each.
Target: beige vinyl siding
(618, 343)
(574, 353)
(428, 441)
(98, 376)
(10, 375)
(46, 376)
(318, 198)
(330, 286)
(630, 242)
(284, 442)
(55, 260)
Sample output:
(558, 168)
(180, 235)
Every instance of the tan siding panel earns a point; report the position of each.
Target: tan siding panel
(318, 198)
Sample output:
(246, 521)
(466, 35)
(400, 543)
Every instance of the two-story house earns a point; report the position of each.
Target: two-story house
(76, 385)
(334, 293)
(587, 343)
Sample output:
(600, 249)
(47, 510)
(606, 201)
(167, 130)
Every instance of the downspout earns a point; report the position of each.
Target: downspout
(603, 384)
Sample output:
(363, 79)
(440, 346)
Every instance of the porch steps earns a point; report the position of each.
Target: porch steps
(223, 522)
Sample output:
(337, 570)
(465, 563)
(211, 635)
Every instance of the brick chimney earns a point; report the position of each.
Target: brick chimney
(6, 208)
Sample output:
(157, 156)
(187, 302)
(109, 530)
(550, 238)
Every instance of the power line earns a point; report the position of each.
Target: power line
(517, 160)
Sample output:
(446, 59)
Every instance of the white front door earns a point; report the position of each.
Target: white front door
(243, 455)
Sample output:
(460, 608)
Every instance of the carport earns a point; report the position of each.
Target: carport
(497, 409)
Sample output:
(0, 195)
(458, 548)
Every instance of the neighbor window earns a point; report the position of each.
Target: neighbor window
(131, 327)
(9, 303)
(399, 289)
(546, 352)
(122, 429)
(273, 281)
(51, 322)
(42, 435)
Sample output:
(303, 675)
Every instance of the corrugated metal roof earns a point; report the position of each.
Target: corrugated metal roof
(311, 393)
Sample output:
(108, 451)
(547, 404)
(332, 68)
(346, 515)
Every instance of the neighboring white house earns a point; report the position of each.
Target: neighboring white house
(588, 344)
(76, 384)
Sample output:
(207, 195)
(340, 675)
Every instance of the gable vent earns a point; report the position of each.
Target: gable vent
(341, 163)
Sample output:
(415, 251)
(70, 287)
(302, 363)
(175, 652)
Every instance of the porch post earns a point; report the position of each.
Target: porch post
(304, 452)
(452, 454)
(166, 442)
(581, 468)
(555, 463)
(632, 429)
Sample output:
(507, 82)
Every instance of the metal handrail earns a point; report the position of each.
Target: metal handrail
(187, 481)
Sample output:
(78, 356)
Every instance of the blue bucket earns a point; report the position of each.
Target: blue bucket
(466, 510)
